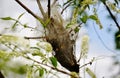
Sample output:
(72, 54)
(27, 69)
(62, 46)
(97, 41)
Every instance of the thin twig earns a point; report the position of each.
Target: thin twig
(40, 8)
(80, 57)
(49, 8)
(89, 63)
(54, 74)
(112, 16)
(68, 1)
(25, 26)
(53, 68)
(65, 8)
(8, 47)
(34, 37)
(28, 10)
(54, 2)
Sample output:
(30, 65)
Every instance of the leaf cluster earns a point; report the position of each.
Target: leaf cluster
(17, 47)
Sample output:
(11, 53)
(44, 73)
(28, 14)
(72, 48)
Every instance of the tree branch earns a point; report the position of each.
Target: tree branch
(112, 16)
(53, 3)
(53, 68)
(65, 7)
(49, 8)
(89, 63)
(40, 8)
(28, 10)
(34, 37)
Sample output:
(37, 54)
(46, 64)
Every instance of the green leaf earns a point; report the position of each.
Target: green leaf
(118, 36)
(99, 23)
(41, 72)
(14, 25)
(75, 13)
(68, 25)
(93, 17)
(21, 15)
(90, 73)
(54, 61)
(96, 19)
(84, 18)
(7, 18)
(17, 21)
(76, 29)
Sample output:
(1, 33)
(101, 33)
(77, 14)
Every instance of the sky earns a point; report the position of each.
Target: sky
(96, 48)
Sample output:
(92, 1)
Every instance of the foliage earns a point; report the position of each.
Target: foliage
(18, 47)
(117, 39)
(54, 61)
